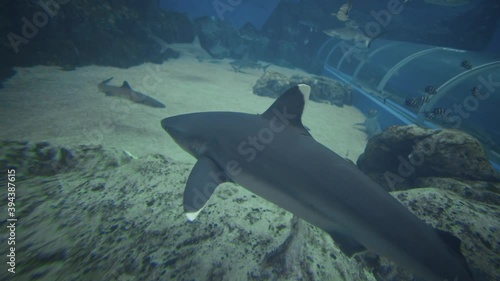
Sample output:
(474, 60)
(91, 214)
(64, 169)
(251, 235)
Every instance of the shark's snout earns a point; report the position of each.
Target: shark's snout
(167, 124)
(172, 127)
(178, 127)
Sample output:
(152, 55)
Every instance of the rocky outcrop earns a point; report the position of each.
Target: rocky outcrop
(400, 155)
(323, 89)
(222, 40)
(446, 180)
(271, 84)
(77, 33)
(104, 214)
(473, 222)
(43, 159)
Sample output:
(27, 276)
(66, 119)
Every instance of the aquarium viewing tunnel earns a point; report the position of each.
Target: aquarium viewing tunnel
(433, 87)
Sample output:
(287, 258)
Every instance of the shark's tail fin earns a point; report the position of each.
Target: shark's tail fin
(264, 68)
(106, 81)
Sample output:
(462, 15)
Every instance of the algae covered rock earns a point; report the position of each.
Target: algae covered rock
(403, 154)
(323, 89)
(271, 84)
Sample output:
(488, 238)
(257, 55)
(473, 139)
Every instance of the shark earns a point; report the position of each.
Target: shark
(274, 156)
(125, 91)
(371, 126)
(193, 49)
(350, 34)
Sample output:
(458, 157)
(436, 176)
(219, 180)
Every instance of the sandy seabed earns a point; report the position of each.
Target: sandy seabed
(65, 108)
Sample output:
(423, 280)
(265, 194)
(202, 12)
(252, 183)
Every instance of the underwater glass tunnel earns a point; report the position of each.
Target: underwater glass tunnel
(433, 87)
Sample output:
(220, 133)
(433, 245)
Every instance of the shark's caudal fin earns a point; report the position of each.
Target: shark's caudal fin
(288, 108)
(106, 81)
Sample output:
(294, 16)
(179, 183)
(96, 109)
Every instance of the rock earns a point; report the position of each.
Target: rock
(480, 191)
(43, 159)
(217, 36)
(325, 89)
(273, 84)
(78, 33)
(475, 224)
(400, 155)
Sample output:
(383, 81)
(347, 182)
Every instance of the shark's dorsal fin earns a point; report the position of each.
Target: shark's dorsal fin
(196, 41)
(126, 85)
(288, 108)
(205, 176)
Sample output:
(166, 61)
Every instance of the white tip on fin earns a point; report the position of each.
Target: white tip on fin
(305, 90)
(192, 215)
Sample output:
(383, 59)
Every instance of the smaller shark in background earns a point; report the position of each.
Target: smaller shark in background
(349, 34)
(193, 49)
(125, 91)
(371, 124)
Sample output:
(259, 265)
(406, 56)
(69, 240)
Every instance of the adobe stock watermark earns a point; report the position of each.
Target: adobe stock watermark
(407, 166)
(248, 148)
(223, 6)
(31, 27)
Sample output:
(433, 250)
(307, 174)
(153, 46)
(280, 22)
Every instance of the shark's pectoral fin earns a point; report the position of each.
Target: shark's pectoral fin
(204, 178)
(288, 108)
(346, 244)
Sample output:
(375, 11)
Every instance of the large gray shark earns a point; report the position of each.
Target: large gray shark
(275, 157)
(125, 91)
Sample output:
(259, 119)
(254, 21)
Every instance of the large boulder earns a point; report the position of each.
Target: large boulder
(271, 84)
(476, 224)
(99, 32)
(323, 89)
(402, 154)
